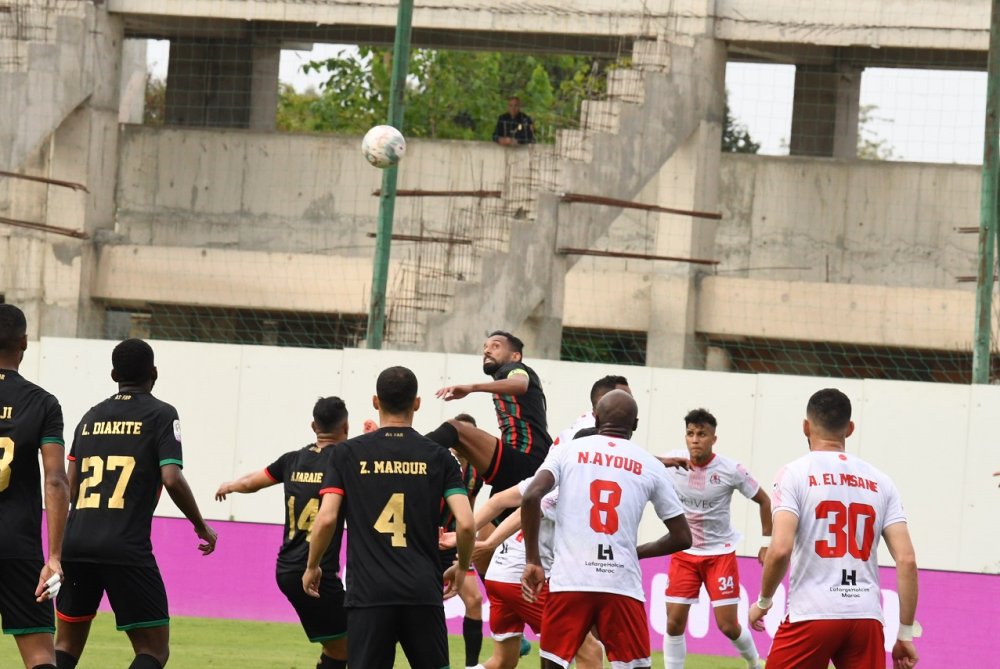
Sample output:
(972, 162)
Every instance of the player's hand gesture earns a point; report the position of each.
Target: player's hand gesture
(49, 580)
(453, 392)
(680, 463)
(223, 490)
(757, 616)
(532, 582)
(209, 537)
(482, 550)
(446, 541)
(761, 554)
(453, 579)
(310, 580)
(904, 655)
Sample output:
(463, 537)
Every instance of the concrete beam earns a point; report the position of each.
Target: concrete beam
(825, 111)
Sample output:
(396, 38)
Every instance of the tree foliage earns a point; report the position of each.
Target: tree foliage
(449, 94)
(872, 146)
(736, 137)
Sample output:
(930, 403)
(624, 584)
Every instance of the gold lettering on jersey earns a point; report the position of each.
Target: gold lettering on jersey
(125, 427)
(364, 467)
(608, 460)
(307, 477)
(123, 397)
(849, 480)
(3, 377)
(400, 467)
(6, 413)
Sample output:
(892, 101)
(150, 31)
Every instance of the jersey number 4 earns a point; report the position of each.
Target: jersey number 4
(844, 523)
(96, 466)
(605, 496)
(390, 521)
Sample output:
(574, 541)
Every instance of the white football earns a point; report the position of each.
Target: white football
(383, 146)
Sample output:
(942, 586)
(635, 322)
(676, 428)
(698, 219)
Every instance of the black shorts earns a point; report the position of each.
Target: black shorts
(510, 466)
(136, 594)
(372, 634)
(323, 619)
(19, 611)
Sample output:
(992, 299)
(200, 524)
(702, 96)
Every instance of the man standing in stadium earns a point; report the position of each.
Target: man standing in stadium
(31, 422)
(124, 450)
(706, 491)
(601, 387)
(520, 407)
(301, 474)
(830, 509)
(391, 482)
(604, 482)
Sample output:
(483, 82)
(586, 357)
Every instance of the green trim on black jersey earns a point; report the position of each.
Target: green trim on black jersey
(172, 461)
(455, 491)
(53, 440)
(332, 637)
(139, 626)
(31, 630)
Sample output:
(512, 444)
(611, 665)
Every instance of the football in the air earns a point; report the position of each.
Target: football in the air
(383, 146)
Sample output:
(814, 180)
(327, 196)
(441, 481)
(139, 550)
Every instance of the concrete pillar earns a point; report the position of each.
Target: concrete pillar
(689, 180)
(825, 111)
(222, 83)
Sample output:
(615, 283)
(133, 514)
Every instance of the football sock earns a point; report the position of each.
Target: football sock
(674, 651)
(65, 661)
(145, 662)
(445, 434)
(525, 647)
(327, 662)
(744, 644)
(472, 632)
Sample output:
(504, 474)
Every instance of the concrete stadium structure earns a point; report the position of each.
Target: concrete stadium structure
(218, 210)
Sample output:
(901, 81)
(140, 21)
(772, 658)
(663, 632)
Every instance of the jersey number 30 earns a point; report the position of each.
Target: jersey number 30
(390, 521)
(844, 528)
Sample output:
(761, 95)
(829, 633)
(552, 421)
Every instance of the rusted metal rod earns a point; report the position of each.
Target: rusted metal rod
(432, 240)
(45, 180)
(628, 204)
(442, 193)
(632, 256)
(79, 234)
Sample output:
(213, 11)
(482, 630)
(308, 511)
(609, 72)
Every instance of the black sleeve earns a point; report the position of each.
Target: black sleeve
(278, 470)
(529, 130)
(333, 480)
(507, 370)
(52, 427)
(168, 441)
(453, 483)
(498, 129)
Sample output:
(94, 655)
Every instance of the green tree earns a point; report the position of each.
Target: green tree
(871, 146)
(154, 111)
(735, 135)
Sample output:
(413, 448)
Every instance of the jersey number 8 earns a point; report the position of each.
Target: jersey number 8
(6, 457)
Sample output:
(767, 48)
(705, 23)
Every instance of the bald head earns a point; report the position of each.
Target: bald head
(617, 414)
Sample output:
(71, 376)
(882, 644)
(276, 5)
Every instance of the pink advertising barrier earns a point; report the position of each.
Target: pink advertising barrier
(959, 611)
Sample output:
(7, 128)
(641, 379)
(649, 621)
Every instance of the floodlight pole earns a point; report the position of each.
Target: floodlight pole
(387, 198)
(988, 207)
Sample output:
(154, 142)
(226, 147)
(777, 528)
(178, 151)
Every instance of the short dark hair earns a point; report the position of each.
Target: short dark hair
(396, 388)
(132, 360)
(516, 344)
(607, 384)
(466, 418)
(700, 417)
(329, 413)
(830, 409)
(13, 326)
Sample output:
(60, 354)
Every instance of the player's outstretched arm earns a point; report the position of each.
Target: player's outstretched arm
(245, 484)
(776, 562)
(56, 508)
(180, 492)
(533, 577)
(897, 539)
(513, 385)
(766, 528)
(497, 504)
(465, 538)
(320, 537)
(677, 538)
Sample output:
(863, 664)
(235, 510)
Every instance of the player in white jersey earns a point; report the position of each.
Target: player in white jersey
(586, 420)
(706, 491)
(830, 509)
(604, 484)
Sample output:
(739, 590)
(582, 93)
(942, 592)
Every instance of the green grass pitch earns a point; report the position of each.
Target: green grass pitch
(197, 643)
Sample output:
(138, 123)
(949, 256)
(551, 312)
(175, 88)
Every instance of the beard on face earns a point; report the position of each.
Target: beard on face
(490, 367)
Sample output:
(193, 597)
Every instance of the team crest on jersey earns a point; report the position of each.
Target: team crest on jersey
(715, 479)
(177, 430)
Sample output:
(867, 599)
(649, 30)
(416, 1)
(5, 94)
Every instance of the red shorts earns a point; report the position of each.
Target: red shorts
(621, 625)
(509, 611)
(813, 644)
(717, 572)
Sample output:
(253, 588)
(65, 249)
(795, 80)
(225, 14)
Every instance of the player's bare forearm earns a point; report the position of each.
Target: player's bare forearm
(897, 540)
(465, 530)
(249, 483)
(497, 504)
(766, 522)
(56, 497)
(180, 492)
(531, 513)
(678, 538)
(506, 529)
(514, 385)
(323, 526)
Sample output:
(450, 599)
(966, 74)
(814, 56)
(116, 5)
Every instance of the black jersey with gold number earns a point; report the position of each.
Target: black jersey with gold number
(392, 481)
(118, 449)
(301, 472)
(29, 418)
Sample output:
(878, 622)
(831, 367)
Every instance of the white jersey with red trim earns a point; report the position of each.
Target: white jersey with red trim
(585, 421)
(507, 563)
(843, 504)
(707, 493)
(604, 485)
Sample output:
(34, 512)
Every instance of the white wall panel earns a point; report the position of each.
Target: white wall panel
(979, 541)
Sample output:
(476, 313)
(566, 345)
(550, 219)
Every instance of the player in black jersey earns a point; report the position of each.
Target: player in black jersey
(389, 485)
(31, 422)
(125, 450)
(301, 473)
(520, 407)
